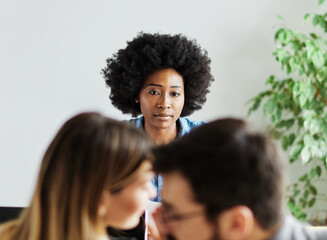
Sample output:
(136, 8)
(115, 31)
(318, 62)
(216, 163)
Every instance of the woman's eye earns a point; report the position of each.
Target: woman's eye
(175, 94)
(153, 92)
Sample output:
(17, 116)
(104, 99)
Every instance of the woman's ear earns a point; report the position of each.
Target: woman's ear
(137, 99)
(236, 223)
(104, 204)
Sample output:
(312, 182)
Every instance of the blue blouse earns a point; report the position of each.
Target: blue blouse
(184, 126)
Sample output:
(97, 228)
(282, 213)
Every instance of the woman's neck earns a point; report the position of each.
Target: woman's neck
(161, 135)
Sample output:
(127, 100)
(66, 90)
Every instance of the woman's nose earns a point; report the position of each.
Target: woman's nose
(164, 102)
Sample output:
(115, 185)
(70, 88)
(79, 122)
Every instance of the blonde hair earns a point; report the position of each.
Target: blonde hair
(90, 153)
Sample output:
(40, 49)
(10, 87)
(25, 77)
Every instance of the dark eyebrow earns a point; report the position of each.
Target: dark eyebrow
(166, 205)
(158, 85)
(153, 84)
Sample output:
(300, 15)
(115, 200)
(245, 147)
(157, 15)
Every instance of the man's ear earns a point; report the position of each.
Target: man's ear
(236, 223)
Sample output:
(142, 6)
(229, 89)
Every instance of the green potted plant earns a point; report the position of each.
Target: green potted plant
(297, 108)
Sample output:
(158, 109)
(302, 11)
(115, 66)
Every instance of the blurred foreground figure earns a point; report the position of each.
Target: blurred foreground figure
(97, 172)
(224, 181)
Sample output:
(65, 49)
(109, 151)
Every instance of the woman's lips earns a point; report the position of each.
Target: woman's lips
(163, 116)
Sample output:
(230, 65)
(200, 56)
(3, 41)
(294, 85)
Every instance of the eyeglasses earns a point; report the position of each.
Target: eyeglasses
(174, 217)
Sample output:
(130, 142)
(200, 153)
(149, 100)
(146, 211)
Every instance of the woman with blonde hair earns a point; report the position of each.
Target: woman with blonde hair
(97, 172)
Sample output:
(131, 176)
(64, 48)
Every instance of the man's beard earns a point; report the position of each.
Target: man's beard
(171, 237)
(215, 236)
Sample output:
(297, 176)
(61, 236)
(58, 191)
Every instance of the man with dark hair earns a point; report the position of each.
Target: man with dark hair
(224, 181)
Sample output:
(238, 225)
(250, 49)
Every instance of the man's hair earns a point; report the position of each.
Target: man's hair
(127, 70)
(227, 165)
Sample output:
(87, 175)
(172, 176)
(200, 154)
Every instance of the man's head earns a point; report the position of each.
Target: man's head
(221, 178)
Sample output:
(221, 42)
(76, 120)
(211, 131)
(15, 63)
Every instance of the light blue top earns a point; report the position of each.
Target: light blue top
(291, 229)
(184, 126)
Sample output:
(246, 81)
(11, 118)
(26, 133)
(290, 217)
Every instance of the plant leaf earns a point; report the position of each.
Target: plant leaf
(303, 100)
(306, 17)
(291, 204)
(281, 18)
(318, 170)
(308, 140)
(303, 177)
(305, 154)
(295, 151)
(313, 190)
(318, 58)
(315, 126)
(269, 106)
(285, 142)
(316, 20)
(312, 202)
(313, 174)
(271, 80)
(291, 139)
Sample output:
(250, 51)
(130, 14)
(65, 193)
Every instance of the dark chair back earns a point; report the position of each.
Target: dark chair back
(9, 213)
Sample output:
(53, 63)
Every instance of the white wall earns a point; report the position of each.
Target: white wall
(52, 53)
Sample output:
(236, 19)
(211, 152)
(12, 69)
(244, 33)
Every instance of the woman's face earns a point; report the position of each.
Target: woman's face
(162, 98)
(125, 207)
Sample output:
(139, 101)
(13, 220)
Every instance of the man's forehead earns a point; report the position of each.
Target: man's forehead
(176, 190)
(176, 181)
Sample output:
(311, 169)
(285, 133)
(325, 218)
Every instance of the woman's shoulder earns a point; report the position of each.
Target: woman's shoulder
(137, 122)
(190, 123)
(185, 125)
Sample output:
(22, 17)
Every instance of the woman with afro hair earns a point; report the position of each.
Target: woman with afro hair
(171, 72)
(163, 78)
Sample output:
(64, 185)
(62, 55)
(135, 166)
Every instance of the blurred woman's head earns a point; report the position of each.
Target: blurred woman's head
(90, 164)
